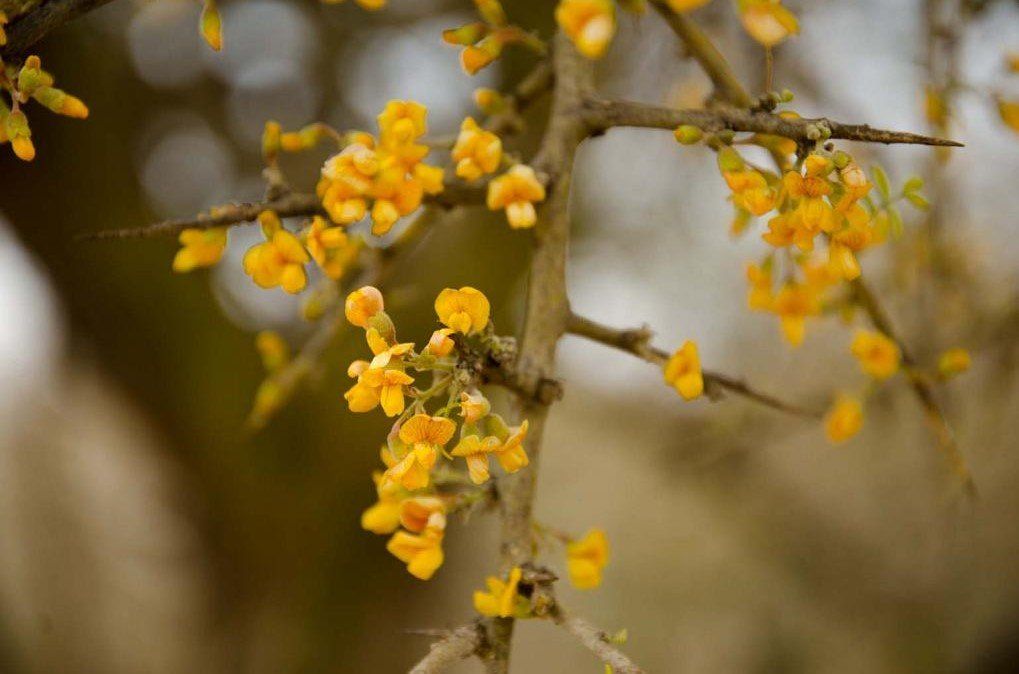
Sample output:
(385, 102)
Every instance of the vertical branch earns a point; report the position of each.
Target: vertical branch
(545, 316)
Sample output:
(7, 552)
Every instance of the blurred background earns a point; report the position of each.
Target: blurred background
(141, 530)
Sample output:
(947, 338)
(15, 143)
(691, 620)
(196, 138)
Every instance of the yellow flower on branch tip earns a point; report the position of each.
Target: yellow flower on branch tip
(516, 191)
(683, 371)
(422, 553)
(278, 262)
(590, 24)
(440, 344)
(767, 21)
(586, 558)
(330, 247)
(682, 6)
(465, 310)
(18, 132)
(879, 356)
(502, 599)
(200, 248)
(383, 517)
(362, 305)
(844, 419)
(476, 151)
(954, 361)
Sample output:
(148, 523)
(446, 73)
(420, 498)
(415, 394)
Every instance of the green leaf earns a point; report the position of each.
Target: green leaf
(918, 200)
(914, 184)
(895, 222)
(881, 180)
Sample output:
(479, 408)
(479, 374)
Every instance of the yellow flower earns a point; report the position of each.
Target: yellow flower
(502, 599)
(475, 450)
(516, 191)
(17, 131)
(402, 121)
(421, 553)
(585, 559)
(760, 296)
(793, 304)
(683, 371)
(590, 24)
(280, 260)
(465, 310)
(474, 406)
(844, 419)
(425, 436)
(750, 191)
(477, 151)
(384, 516)
(273, 349)
(879, 356)
(417, 513)
(201, 248)
(767, 21)
(1009, 112)
(379, 386)
(954, 361)
(505, 443)
(440, 344)
(330, 247)
(362, 305)
(682, 6)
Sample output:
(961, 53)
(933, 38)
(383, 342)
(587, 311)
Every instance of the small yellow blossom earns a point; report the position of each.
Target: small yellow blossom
(474, 406)
(403, 121)
(794, 303)
(201, 248)
(475, 450)
(465, 310)
(683, 371)
(17, 131)
(330, 247)
(590, 24)
(505, 443)
(273, 349)
(844, 419)
(760, 295)
(280, 260)
(425, 436)
(384, 516)
(586, 558)
(477, 151)
(516, 191)
(767, 21)
(377, 386)
(417, 513)
(422, 553)
(954, 361)
(1009, 113)
(502, 599)
(362, 305)
(879, 356)
(440, 344)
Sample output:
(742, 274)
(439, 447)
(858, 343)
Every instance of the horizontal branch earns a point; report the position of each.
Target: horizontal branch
(29, 27)
(637, 342)
(596, 641)
(457, 645)
(602, 114)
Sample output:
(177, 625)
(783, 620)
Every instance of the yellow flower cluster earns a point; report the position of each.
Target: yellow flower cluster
(476, 152)
(31, 82)
(516, 192)
(409, 492)
(388, 175)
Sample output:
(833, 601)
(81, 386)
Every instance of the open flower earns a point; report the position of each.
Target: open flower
(280, 260)
(767, 21)
(424, 436)
(507, 444)
(330, 247)
(465, 310)
(477, 151)
(377, 386)
(419, 512)
(844, 419)
(590, 24)
(384, 516)
(879, 356)
(502, 599)
(585, 559)
(200, 248)
(683, 371)
(516, 191)
(422, 553)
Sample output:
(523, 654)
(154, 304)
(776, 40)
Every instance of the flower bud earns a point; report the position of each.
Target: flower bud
(729, 160)
(687, 134)
(362, 304)
(211, 25)
(465, 35)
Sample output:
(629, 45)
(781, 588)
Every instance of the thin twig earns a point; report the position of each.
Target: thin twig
(457, 645)
(596, 641)
(920, 387)
(604, 114)
(637, 342)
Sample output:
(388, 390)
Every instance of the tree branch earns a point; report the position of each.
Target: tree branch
(698, 46)
(29, 27)
(596, 641)
(924, 394)
(603, 114)
(637, 342)
(461, 643)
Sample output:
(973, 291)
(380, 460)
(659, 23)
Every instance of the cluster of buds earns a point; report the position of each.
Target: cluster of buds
(388, 175)
(484, 41)
(413, 489)
(31, 82)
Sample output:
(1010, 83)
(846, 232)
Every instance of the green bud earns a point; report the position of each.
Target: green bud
(687, 134)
